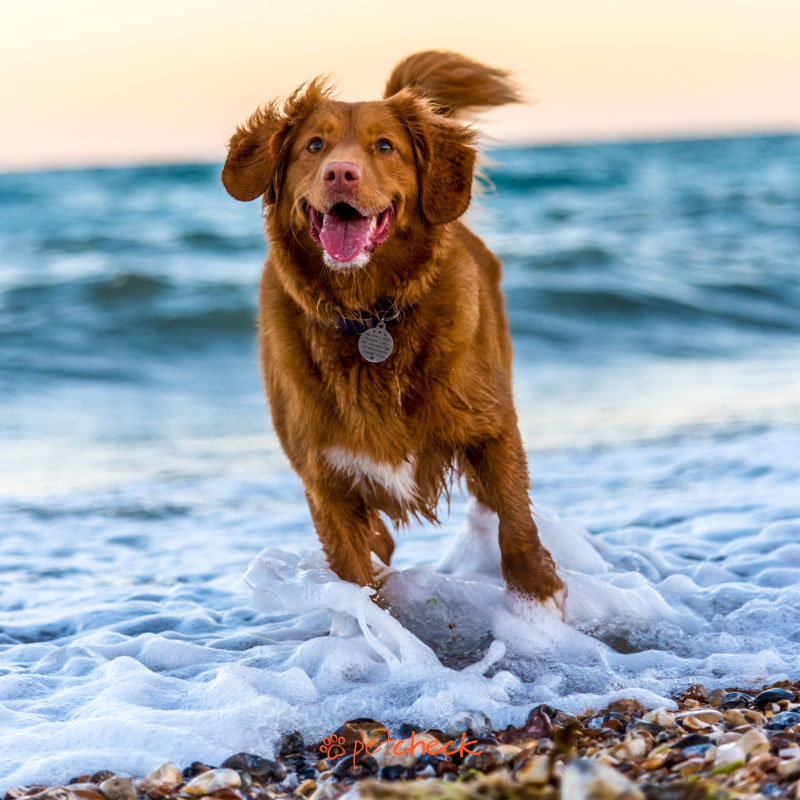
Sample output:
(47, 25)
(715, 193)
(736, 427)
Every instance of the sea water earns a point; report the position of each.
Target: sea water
(162, 592)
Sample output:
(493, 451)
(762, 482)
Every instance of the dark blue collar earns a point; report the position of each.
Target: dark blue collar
(385, 310)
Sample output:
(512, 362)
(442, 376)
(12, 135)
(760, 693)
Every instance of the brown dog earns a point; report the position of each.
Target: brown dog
(382, 327)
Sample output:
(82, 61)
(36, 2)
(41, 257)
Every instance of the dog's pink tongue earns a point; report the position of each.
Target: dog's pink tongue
(344, 239)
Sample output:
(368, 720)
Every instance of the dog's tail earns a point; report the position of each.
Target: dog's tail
(453, 82)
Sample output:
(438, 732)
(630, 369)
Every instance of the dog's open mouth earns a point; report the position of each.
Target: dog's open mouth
(345, 233)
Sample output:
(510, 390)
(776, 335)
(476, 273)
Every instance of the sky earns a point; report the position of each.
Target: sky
(149, 81)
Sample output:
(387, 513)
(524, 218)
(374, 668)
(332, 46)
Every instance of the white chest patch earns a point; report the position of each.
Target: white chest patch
(397, 480)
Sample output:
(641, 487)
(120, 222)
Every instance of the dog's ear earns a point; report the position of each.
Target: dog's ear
(446, 179)
(253, 155)
(445, 154)
(257, 150)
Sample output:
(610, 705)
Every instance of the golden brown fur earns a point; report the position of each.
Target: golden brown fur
(442, 400)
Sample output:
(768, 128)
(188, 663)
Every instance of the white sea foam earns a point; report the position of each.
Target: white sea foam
(138, 642)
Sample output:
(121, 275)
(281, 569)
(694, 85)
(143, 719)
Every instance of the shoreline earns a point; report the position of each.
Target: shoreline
(716, 744)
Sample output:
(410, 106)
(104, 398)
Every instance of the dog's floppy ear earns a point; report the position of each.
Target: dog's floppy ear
(253, 155)
(256, 151)
(445, 154)
(446, 179)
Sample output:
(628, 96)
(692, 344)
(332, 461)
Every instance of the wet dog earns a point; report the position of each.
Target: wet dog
(382, 328)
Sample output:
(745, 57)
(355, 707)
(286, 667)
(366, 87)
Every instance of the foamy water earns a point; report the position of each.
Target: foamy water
(133, 642)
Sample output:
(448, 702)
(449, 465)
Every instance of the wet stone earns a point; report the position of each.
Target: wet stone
(118, 788)
(716, 697)
(693, 740)
(86, 791)
(194, 769)
(362, 730)
(535, 770)
(786, 719)
(652, 728)
(696, 692)
(405, 731)
(735, 700)
(306, 788)
(363, 768)
(544, 709)
(538, 725)
(101, 776)
(291, 744)
(473, 723)
(772, 696)
(258, 767)
(394, 772)
(24, 791)
(212, 782)
(488, 760)
(591, 780)
(161, 781)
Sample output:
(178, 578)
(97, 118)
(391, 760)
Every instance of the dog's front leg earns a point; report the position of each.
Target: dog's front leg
(343, 526)
(500, 481)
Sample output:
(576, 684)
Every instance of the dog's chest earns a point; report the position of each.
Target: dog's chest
(398, 480)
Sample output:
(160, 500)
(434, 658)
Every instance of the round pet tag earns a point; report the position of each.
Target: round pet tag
(376, 344)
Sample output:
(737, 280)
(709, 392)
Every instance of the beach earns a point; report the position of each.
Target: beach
(164, 597)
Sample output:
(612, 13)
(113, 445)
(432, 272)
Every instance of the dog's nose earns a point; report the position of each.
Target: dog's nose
(341, 175)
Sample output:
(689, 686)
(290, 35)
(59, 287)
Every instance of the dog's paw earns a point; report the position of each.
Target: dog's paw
(556, 603)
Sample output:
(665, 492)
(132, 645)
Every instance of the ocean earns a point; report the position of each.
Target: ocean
(162, 591)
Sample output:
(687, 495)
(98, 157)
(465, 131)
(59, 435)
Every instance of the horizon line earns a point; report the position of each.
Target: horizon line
(487, 143)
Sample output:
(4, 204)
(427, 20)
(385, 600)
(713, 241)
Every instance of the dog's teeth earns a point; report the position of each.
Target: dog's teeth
(373, 223)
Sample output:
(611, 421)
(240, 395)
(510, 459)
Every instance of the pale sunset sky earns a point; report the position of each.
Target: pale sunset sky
(141, 81)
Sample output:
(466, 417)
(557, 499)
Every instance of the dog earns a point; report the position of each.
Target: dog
(383, 337)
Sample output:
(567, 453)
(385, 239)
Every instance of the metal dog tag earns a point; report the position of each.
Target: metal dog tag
(376, 344)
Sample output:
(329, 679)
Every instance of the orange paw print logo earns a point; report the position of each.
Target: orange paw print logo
(332, 746)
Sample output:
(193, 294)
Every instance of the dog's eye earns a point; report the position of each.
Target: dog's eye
(385, 147)
(315, 145)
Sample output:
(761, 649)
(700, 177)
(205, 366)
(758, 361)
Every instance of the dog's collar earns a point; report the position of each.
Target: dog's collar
(385, 311)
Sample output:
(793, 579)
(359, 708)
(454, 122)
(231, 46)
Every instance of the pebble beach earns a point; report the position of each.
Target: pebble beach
(707, 745)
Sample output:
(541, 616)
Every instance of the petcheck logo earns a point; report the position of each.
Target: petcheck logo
(334, 746)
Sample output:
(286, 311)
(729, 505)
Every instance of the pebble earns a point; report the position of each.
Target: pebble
(660, 716)
(393, 772)
(754, 742)
(23, 791)
(212, 781)
(773, 696)
(362, 729)
(707, 715)
(786, 719)
(633, 748)
(728, 757)
(255, 766)
(734, 718)
(590, 780)
(716, 697)
(363, 768)
(754, 717)
(789, 769)
(291, 744)
(735, 700)
(534, 770)
(162, 780)
(306, 788)
(474, 723)
(118, 788)
(488, 760)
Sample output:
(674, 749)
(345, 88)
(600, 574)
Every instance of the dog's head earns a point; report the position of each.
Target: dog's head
(348, 179)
